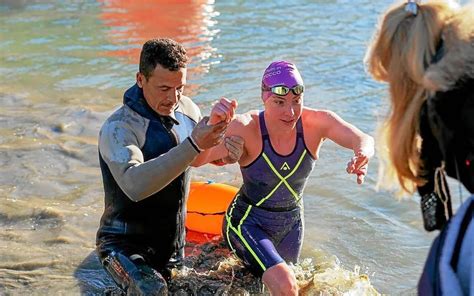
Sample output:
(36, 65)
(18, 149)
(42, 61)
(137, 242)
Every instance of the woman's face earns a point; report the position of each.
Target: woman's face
(284, 111)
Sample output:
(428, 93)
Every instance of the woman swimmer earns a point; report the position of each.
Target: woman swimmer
(264, 223)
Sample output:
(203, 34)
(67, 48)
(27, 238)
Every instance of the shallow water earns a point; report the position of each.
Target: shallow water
(64, 66)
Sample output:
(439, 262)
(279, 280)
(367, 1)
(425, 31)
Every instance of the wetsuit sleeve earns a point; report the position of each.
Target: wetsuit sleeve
(119, 146)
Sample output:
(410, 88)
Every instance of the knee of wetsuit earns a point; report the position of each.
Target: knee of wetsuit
(135, 276)
(148, 281)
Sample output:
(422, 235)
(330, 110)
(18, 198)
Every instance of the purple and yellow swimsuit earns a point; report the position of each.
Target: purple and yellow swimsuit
(264, 223)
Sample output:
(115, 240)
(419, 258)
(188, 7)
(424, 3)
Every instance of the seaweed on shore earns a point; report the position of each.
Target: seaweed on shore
(211, 269)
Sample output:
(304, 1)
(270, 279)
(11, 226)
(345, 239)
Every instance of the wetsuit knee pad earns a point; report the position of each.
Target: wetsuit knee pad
(136, 277)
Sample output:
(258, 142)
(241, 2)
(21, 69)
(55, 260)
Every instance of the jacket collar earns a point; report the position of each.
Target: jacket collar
(134, 99)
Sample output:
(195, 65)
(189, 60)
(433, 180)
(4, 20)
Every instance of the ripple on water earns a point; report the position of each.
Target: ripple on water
(32, 219)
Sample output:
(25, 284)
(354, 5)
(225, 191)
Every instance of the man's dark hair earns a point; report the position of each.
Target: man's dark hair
(168, 53)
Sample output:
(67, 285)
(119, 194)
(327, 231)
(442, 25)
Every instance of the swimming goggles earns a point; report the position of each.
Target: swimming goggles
(282, 90)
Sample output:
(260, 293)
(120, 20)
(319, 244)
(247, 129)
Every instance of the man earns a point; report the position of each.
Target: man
(145, 150)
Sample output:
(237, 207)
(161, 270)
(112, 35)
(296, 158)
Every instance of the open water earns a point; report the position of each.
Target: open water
(64, 65)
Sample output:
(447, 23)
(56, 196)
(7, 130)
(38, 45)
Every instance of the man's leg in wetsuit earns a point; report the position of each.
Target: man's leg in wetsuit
(134, 275)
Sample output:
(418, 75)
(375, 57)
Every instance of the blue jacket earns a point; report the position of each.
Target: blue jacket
(449, 269)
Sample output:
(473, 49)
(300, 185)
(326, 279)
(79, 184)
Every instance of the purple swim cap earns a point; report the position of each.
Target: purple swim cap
(280, 73)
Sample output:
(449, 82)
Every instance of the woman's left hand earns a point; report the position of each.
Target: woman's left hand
(235, 146)
(358, 165)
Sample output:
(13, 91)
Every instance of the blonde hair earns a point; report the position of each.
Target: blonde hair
(399, 54)
(458, 37)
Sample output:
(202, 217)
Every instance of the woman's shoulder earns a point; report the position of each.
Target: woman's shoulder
(246, 119)
(318, 117)
(318, 112)
(244, 123)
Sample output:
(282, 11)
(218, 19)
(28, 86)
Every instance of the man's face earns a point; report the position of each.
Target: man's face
(163, 89)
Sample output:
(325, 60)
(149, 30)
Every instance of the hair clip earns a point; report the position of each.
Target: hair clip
(412, 6)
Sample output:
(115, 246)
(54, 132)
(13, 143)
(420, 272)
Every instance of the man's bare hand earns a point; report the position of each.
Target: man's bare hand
(206, 136)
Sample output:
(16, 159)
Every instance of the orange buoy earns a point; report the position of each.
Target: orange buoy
(206, 206)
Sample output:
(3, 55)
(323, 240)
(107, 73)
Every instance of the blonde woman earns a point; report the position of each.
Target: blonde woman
(425, 52)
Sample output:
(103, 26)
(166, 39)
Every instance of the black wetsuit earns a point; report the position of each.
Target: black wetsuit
(144, 158)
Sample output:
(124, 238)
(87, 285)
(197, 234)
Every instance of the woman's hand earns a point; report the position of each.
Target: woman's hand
(235, 146)
(223, 110)
(358, 165)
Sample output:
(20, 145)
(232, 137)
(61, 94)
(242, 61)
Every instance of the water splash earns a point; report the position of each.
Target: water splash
(210, 269)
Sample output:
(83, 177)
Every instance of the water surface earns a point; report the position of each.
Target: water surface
(65, 64)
